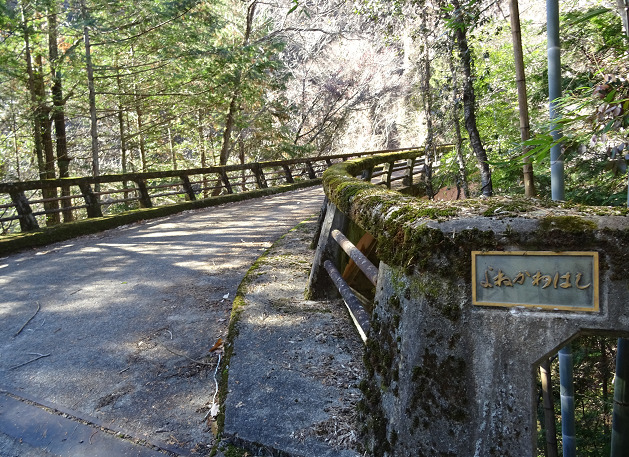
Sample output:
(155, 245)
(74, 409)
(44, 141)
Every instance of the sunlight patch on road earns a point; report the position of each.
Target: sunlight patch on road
(165, 234)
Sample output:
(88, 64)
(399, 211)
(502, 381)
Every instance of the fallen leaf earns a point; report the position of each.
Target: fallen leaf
(218, 345)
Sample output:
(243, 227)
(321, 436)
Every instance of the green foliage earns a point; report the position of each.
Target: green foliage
(158, 65)
(175, 66)
(594, 367)
(595, 109)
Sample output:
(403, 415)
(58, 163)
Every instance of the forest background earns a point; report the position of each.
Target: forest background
(108, 86)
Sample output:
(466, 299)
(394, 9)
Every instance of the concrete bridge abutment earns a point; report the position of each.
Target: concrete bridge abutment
(471, 297)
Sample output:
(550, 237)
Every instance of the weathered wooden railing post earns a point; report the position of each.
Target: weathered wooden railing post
(185, 180)
(288, 174)
(145, 197)
(225, 180)
(408, 176)
(367, 174)
(27, 219)
(259, 174)
(91, 201)
(387, 170)
(319, 284)
(311, 172)
(390, 173)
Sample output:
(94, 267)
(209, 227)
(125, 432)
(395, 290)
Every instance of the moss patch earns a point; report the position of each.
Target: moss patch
(567, 224)
(409, 236)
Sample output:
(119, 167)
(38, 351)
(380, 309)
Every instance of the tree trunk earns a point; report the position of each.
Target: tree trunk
(623, 11)
(230, 120)
(427, 104)
(229, 127)
(525, 129)
(41, 123)
(17, 147)
(37, 127)
(123, 138)
(469, 103)
(92, 95)
(241, 148)
(460, 158)
(53, 217)
(620, 424)
(171, 147)
(203, 151)
(226, 148)
(58, 115)
(138, 112)
(549, 409)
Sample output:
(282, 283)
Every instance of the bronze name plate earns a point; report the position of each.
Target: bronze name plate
(536, 279)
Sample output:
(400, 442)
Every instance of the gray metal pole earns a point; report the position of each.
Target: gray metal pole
(558, 193)
(554, 92)
(567, 402)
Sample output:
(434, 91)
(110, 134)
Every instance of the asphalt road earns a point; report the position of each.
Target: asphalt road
(110, 333)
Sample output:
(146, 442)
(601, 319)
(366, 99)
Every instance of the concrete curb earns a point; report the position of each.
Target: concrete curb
(294, 365)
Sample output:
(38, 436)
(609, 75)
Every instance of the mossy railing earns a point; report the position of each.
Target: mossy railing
(45, 201)
(352, 181)
(24, 202)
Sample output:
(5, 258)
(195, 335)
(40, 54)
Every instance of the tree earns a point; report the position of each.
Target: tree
(523, 107)
(460, 19)
(58, 111)
(620, 438)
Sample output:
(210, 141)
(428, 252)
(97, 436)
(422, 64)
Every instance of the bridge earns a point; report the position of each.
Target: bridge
(430, 321)
(107, 336)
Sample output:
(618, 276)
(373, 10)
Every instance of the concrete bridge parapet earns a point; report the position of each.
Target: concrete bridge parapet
(471, 296)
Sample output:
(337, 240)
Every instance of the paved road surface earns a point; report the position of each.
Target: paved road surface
(125, 322)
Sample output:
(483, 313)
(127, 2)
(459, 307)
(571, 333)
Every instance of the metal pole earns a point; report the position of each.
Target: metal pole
(554, 92)
(558, 193)
(567, 402)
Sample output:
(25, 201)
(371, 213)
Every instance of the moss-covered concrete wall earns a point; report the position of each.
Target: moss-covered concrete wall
(445, 377)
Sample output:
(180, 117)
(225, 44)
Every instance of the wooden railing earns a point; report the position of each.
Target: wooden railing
(31, 203)
(398, 170)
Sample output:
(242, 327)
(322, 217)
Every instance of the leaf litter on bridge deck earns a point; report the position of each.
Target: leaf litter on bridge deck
(129, 316)
(296, 364)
